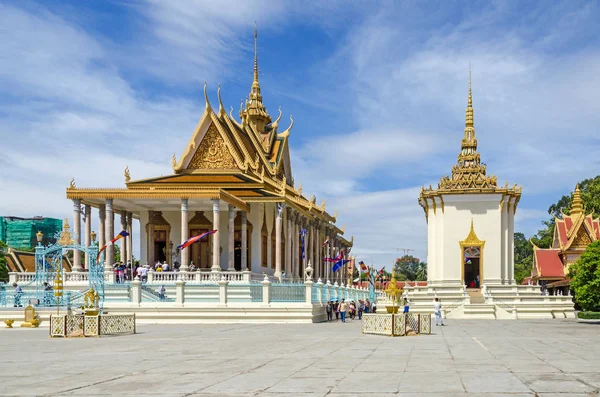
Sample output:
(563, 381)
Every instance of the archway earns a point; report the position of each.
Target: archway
(471, 259)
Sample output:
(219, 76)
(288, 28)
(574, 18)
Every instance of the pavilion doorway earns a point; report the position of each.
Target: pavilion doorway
(200, 251)
(472, 267)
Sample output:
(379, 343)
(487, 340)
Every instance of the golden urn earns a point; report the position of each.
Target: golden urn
(9, 322)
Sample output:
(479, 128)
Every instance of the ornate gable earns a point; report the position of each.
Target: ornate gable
(212, 152)
(582, 239)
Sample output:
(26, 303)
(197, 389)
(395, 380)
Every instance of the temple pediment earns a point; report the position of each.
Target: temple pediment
(212, 153)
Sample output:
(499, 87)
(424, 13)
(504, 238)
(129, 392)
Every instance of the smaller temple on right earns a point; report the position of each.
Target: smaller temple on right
(572, 234)
(470, 245)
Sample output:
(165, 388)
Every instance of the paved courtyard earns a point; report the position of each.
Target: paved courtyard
(487, 358)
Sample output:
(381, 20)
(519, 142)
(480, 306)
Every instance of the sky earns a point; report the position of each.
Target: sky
(378, 92)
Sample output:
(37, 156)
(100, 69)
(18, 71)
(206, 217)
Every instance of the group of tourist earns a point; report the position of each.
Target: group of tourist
(351, 309)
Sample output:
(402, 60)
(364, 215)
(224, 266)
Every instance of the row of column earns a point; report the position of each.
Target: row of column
(106, 233)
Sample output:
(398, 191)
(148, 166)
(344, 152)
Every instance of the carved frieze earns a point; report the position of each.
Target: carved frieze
(212, 153)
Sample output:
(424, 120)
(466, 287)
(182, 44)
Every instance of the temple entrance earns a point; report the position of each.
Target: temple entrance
(160, 247)
(237, 257)
(200, 251)
(471, 267)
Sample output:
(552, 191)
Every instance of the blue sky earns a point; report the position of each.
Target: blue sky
(377, 90)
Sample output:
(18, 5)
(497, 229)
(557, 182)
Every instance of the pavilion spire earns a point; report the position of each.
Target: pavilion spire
(577, 203)
(255, 110)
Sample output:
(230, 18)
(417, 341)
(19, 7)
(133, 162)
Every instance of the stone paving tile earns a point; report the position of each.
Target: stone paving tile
(466, 358)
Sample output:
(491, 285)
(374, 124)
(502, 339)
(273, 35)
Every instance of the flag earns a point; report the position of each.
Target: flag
(337, 258)
(339, 264)
(363, 267)
(302, 236)
(326, 241)
(192, 240)
(119, 236)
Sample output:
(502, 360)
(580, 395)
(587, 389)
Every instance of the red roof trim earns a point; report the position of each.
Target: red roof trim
(549, 263)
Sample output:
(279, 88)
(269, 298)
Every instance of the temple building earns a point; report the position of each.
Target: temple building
(233, 176)
(470, 221)
(572, 234)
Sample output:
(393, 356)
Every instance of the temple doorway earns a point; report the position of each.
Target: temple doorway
(160, 249)
(237, 256)
(472, 267)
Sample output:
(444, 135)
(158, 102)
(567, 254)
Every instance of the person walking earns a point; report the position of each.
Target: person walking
(361, 309)
(437, 311)
(367, 306)
(18, 294)
(336, 310)
(329, 310)
(161, 293)
(343, 310)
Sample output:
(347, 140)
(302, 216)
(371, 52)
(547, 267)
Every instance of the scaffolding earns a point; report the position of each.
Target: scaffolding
(20, 233)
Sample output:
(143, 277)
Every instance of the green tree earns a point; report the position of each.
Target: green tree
(585, 278)
(3, 262)
(523, 257)
(410, 268)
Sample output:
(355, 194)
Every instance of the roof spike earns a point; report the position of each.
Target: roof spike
(206, 98)
(577, 203)
(290, 127)
(221, 107)
(275, 124)
(255, 54)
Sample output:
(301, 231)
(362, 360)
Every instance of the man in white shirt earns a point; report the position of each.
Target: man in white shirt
(139, 272)
(437, 310)
(165, 267)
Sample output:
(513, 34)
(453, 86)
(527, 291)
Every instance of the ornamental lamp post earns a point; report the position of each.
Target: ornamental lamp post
(39, 237)
(93, 237)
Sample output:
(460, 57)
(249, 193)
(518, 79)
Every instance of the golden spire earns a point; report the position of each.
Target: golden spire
(577, 203)
(255, 54)
(255, 110)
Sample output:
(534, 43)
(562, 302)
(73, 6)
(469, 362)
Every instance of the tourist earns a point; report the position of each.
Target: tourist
(477, 282)
(329, 310)
(352, 308)
(373, 307)
(161, 292)
(336, 310)
(121, 273)
(139, 273)
(165, 266)
(145, 273)
(361, 308)
(437, 311)
(192, 267)
(18, 294)
(159, 268)
(343, 310)
(367, 306)
(47, 294)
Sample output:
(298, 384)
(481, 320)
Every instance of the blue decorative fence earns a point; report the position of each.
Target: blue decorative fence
(292, 292)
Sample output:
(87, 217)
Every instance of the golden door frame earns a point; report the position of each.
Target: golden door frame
(472, 241)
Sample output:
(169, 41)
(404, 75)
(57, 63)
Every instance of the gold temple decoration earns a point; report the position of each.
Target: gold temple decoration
(472, 240)
(577, 203)
(212, 153)
(254, 111)
(127, 175)
(72, 184)
(65, 236)
(91, 299)
(174, 161)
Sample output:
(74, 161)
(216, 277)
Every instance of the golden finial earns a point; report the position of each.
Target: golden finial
(290, 127)
(72, 184)
(577, 203)
(335, 214)
(174, 161)
(255, 54)
(127, 175)
(206, 98)
(221, 107)
(300, 190)
(323, 204)
(469, 115)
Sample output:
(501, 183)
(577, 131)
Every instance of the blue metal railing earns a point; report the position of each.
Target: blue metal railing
(316, 293)
(292, 292)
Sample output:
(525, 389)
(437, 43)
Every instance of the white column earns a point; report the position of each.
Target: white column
(102, 225)
(231, 230)
(432, 274)
(511, 242)
(288, 245)
(77, 232)
(215, 237)
(88, 233)
(123, 240)
(295, 246)
(129, 238)
(328, 255)
(278, 213)
(244, 265)
(109, 234)
(185, 253)
(309, 252)
(504, 241)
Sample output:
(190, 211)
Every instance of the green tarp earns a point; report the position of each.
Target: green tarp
(20, 233)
